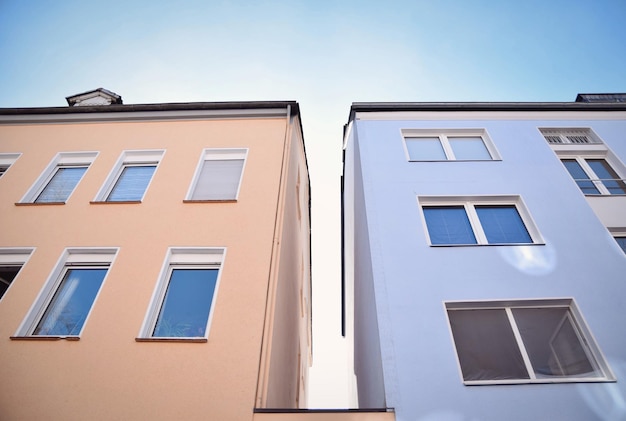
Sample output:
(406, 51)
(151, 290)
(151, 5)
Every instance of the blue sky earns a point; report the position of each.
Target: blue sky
(323, 51)
(324, 54)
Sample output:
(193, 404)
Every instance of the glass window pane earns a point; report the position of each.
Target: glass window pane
(486, 345)
(71, 303)
(425, 149)
(61, 185)
(132, 183)
(552, 343)
(621, 241)
(580, 176)
(187, 303)
(607, 175)
(7, 274)
(469, 147)
(448, 225)
(218, 180)
(502, 224)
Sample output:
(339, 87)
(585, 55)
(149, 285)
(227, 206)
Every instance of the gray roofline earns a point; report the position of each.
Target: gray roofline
(176, 106)
(369, 107)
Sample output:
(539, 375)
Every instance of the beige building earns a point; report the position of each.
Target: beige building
(154, 260)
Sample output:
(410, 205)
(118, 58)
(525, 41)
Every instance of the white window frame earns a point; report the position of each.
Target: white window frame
(129, 158)
(593, 351)
(181, 257)
(61, 160)
(582, 156)
(71, 258)
(14, 256)
(443, 135)
(217, 154)
(594, 149)
(469, 203)
(6, 161)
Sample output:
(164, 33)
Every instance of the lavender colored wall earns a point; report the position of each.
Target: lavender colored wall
(412, 280)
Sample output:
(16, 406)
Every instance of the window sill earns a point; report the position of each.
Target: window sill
(39, 203)
(114, 202)
(488, 245)
(210, 201)
(540, 381)
(44, 338)
(454, 160)
(192, 340)
(604, 195)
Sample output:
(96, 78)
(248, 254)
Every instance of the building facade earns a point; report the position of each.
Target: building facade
(154, 259)
(484, 258)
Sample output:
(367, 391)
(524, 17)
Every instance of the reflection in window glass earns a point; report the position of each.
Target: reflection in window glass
(469, 148)
(607, 176)
(72, 302)
(552, 343)
(425, 149)
(521, 343)
(580, 176)
(187, 303)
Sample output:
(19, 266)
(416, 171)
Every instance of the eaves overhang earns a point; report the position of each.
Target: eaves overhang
(373, 107)
(162, 111)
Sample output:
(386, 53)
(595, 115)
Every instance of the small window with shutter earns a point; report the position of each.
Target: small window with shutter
(218, 176)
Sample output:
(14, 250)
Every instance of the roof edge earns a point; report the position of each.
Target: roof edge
(174, 106)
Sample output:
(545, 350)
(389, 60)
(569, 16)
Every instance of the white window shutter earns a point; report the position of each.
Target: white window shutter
(218, 180)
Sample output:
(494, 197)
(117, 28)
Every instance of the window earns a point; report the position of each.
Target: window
(11, 261)
(60, 178)
(184, 297)
(218, 176)
(477, 220)
(6, 160)
(594, 168)
(619, 234)
(594, 176)
(621, 242)
(66, 299)
(449, 145)
(570, 136)
(130, 177)
(538, 341)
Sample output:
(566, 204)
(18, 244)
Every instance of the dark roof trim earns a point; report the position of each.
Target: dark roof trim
(369, 107)
(176, 106)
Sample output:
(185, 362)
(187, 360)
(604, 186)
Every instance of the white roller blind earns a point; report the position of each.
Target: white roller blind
(218, 180)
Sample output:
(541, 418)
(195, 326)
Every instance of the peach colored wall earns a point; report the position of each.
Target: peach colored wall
(107, 374)
(289, 351)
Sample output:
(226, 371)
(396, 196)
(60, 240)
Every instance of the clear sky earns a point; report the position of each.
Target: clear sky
(324, 54)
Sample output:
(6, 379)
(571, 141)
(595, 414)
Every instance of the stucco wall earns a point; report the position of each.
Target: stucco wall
(107, 374)
(290, 319)
(579, 259)
(367, 357)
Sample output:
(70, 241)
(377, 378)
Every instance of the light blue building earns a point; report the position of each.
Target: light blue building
(485, 258)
